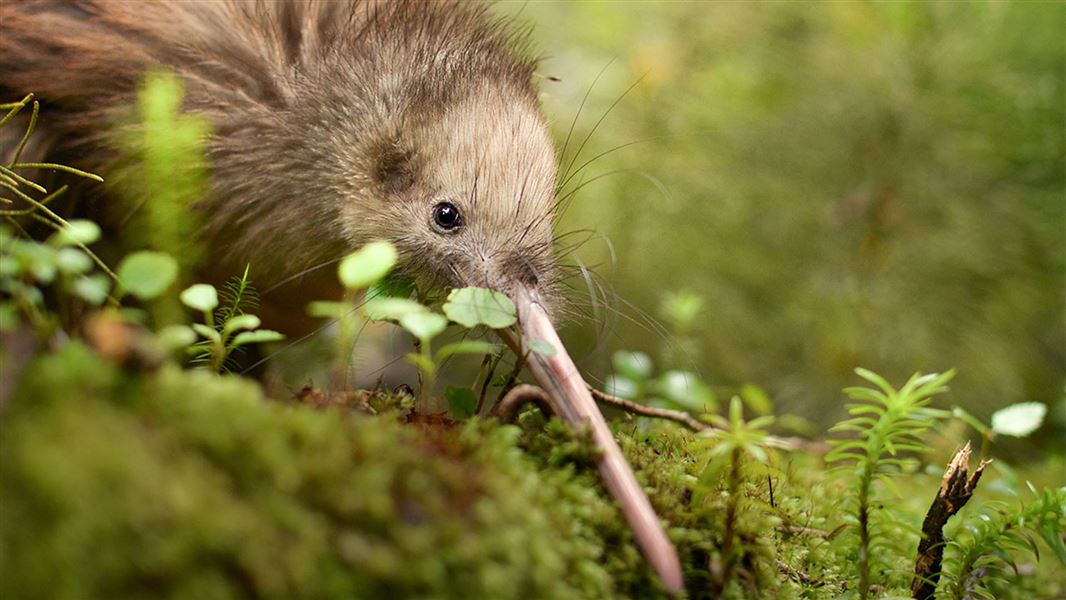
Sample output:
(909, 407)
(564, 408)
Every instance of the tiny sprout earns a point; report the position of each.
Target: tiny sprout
(219, 341)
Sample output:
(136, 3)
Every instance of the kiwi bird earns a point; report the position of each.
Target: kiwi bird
(335, 124)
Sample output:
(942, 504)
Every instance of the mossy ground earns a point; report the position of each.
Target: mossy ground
(183, 484)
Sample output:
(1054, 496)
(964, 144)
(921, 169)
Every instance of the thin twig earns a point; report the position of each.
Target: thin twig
(650, 411)
(679, 416)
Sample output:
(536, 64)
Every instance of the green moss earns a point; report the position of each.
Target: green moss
(184, 484)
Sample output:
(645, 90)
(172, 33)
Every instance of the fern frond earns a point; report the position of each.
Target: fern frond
(237, 296)
(888, 423)
(979, 555)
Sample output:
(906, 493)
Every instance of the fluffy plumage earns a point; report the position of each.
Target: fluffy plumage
(334, 123)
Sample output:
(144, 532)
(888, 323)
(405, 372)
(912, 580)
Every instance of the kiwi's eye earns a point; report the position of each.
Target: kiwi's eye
(446, 217)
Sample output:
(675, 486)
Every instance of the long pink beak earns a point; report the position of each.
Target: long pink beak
(573, 403)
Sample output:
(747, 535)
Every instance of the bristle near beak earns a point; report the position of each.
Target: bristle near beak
(571, 399)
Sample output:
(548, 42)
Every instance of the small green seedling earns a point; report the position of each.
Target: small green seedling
(425, 325)
(358, 271)
(220, 339)
(27, 267)
(733, 442)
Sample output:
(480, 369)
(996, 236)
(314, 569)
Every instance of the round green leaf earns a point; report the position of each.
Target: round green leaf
(473, 306)
(391, 309)
(367, 265)
(686, 390)
(147, 274)
(634, 365)
(92, 289)
(78, 231)
(617, 385)
(1019, 420)
(73, 261)
(424, 325)
(201, 296)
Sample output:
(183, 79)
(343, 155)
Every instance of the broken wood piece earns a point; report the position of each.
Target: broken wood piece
(955, 490)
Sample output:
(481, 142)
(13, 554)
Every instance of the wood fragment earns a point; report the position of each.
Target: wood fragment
(955, 490)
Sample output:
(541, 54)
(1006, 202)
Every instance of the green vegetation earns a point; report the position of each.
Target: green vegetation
(861, 183)
(899, 216)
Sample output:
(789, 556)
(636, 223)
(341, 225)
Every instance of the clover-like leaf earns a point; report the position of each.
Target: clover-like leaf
(367, 265)
(201, 297)
(424, 325)
(147, 274)
(473, 306)
(1019, 420)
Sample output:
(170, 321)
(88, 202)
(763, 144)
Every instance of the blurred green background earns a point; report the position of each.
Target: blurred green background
(843, 184)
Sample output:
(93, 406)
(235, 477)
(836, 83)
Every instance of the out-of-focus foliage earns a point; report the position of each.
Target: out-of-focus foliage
(184, 484)
(875, 183)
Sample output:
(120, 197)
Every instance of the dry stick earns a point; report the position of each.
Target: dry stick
(955, 490)
(650, 411)
(680, 416)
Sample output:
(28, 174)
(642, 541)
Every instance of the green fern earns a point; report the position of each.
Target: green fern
(237, 297)
(888, 423)
(733, 444)
(980, 554)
